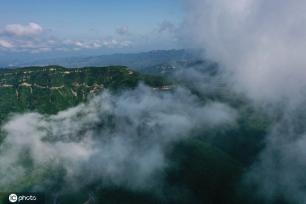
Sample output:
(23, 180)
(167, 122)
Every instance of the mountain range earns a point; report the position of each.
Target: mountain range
(137, 61)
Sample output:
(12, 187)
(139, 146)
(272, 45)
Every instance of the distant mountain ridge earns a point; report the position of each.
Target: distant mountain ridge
(137, 61)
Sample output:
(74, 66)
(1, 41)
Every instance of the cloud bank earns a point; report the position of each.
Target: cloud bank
(261, 45)
(113, 139)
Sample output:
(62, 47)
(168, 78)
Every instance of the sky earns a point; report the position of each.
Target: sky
(76, 27)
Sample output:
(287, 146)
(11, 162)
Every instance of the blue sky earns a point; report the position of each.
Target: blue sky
(74, 27)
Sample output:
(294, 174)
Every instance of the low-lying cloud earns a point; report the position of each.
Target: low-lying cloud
(259, 43)
(260, 46)
(113, 139)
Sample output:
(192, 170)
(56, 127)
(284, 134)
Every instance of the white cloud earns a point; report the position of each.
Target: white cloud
(32, 38)
(30, 29)
(5, 44)
(95, 44)
(261, 43)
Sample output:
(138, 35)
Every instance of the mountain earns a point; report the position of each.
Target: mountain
(137, 61)
(205, 167)
(53, 88)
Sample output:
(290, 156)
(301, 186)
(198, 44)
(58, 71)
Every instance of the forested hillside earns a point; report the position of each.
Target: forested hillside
(204, 164)
(54, 88)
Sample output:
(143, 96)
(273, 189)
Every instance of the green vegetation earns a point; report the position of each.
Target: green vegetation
(53, 88)
(205, 169)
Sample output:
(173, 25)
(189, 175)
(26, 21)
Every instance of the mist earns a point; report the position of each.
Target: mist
(122, 139)
(115, 139)
(260, 46)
